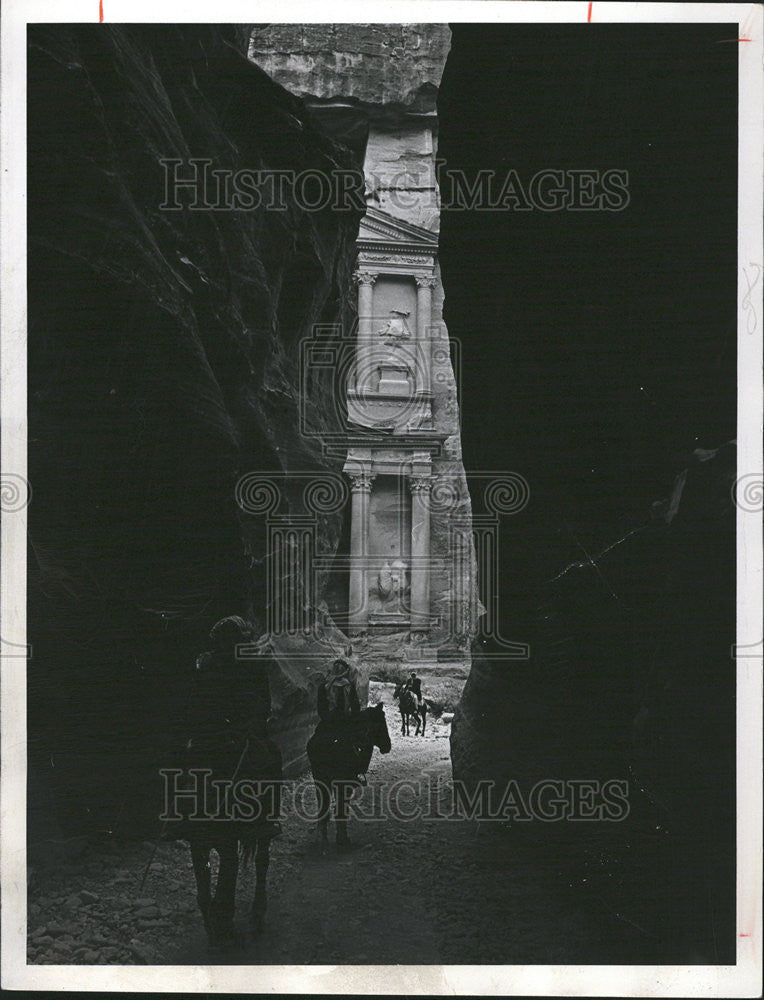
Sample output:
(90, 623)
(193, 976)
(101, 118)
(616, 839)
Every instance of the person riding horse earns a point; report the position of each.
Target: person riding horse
(340, 749)
(230, 697)
(226, 722)
(338, 692)
(338, 702)
(412, 704)
(414, 684)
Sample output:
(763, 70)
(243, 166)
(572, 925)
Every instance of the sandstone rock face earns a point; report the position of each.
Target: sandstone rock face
(379, 81)
(400, 171)
(384, 66)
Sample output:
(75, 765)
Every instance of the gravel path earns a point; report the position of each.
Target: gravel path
(418, 891)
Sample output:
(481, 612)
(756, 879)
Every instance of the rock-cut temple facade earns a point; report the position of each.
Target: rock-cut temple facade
(411, 589)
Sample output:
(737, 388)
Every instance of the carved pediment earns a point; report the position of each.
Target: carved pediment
(380, 231)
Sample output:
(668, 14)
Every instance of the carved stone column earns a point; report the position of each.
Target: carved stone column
(420, 552)
(365, 346)
(424, 287)
(358, 598)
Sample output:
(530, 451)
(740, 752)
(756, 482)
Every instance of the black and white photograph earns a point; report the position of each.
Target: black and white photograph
(382, 498)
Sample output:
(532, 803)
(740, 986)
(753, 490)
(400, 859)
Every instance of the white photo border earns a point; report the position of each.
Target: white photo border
(740, 980)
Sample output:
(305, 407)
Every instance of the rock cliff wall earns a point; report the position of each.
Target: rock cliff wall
(632, 677)
(588, 375)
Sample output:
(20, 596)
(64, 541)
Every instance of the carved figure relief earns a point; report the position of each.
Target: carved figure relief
(395, 369)
(396, 330)
(392, 584)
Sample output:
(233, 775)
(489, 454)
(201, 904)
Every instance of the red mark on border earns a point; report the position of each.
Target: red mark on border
(100, 11)
(589, 15)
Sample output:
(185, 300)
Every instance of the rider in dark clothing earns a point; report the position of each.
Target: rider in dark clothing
(228, 707)
(230, 698)
(338, 693)
(338, 704)
(414, 684)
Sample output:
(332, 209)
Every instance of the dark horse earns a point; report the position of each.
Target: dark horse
(245, 823)
(407, 702)
(227, 792)
(339, 751)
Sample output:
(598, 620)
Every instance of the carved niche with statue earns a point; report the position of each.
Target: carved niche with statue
(392, 587)
(396, 361)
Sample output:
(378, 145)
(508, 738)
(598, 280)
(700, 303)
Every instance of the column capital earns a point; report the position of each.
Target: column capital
(420, 484)
(360, 482)
(364, 277)
(425, 281)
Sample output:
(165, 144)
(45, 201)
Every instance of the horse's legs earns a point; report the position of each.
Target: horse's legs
(341, 816)
(324, 797)
(224, 903)
(424, 718)
(403, 723)
(200, 857)
(260, 902)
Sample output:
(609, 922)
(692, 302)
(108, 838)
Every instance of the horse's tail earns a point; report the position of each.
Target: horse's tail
(247, 848)
(310, 751)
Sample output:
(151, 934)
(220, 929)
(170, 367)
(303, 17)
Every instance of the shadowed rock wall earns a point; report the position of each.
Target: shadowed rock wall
(632, 677)
(596, 380)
